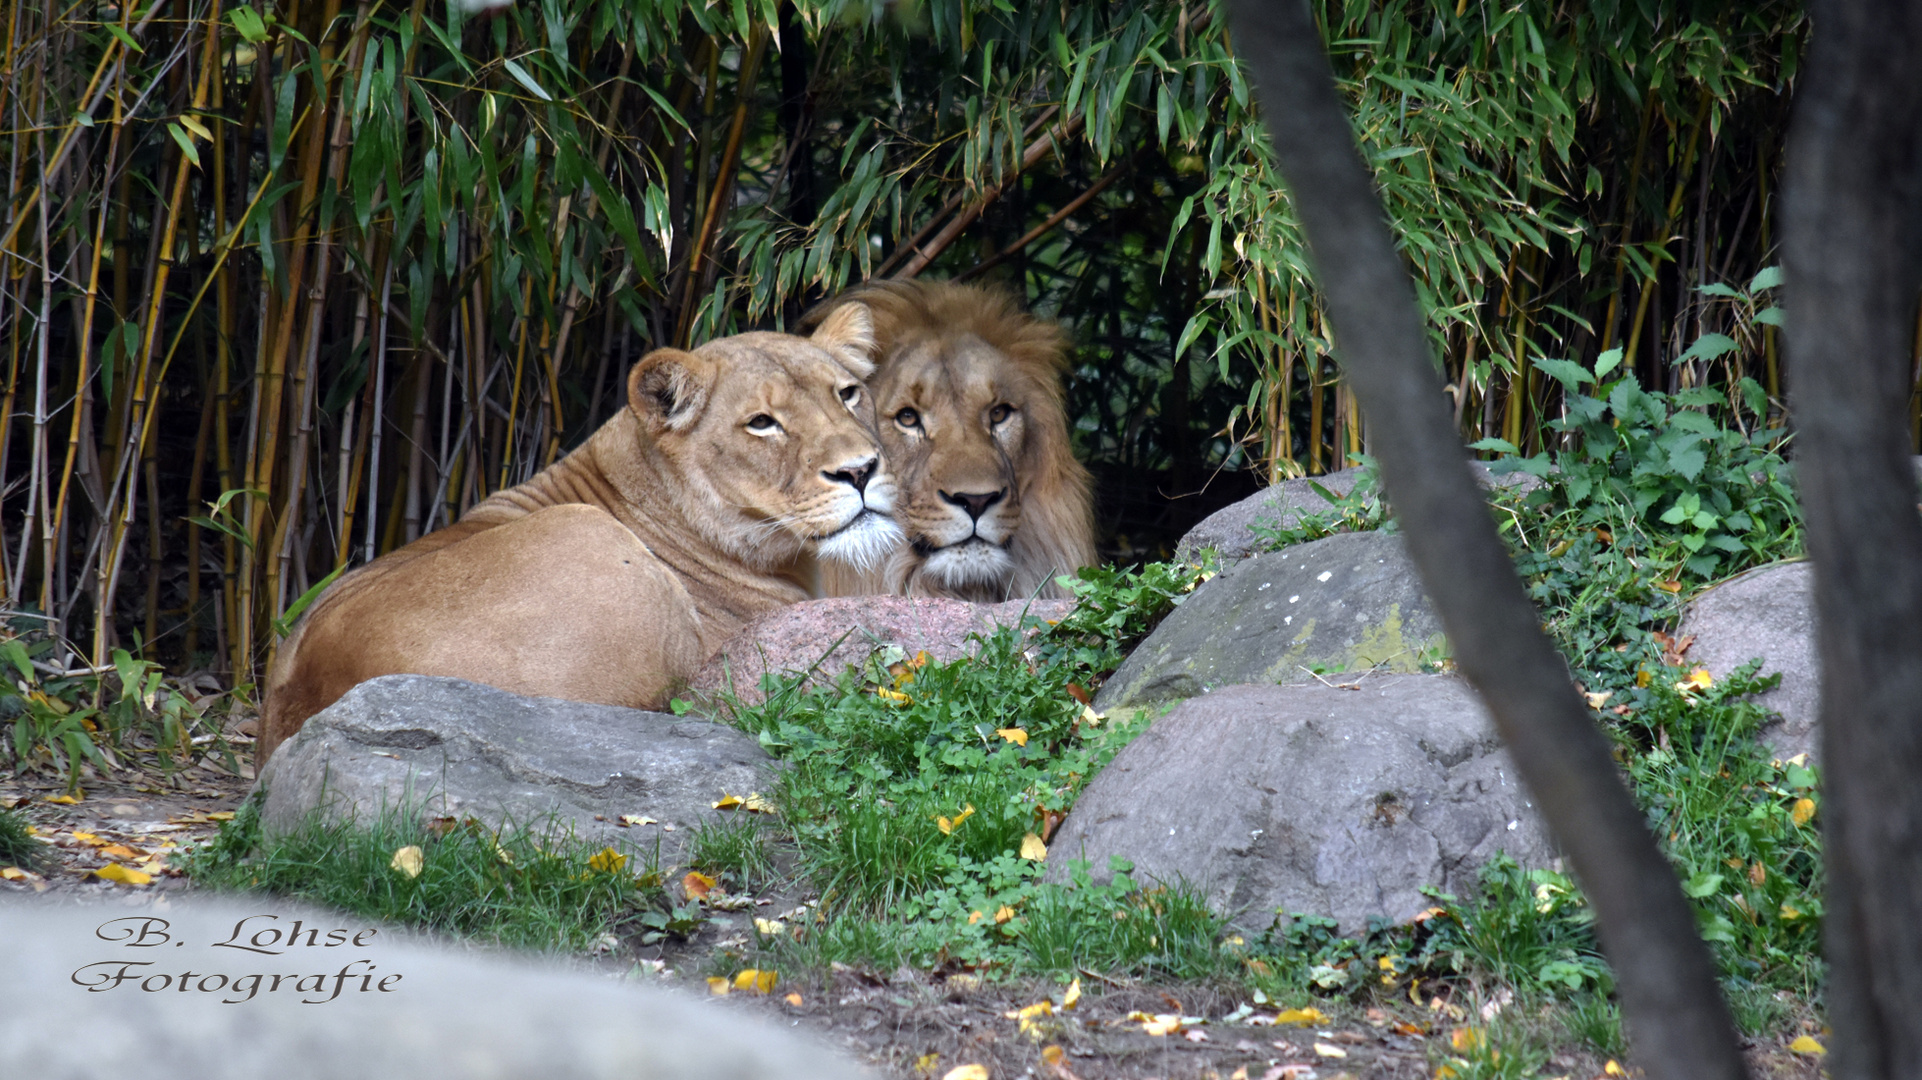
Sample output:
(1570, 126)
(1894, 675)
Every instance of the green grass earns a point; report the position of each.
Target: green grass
(736, 852)
(529, 888)
(18, 847)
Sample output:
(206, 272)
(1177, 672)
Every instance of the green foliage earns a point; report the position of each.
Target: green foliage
(61, 721)
(18, 847)
(1529, 929)
(532, 887)
(1117, 606)
(1737, 823)
(735, 851)
(1360, 509)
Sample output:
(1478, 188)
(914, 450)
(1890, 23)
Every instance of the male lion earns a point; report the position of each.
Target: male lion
(611, 575)
(968, 389)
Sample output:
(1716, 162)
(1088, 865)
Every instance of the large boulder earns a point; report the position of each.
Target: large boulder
(822, 638)
(1768, 614)
(445, 747)
(1230, 533)
(100, 993)
(1347, 603)
(1311, 799)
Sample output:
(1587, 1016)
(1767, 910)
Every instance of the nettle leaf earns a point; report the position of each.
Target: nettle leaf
(1689, 461)
(1709, 347)
(1567, 372)
(1766, 278)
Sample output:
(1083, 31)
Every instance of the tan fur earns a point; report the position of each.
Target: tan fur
(952, 354)
(613, 574)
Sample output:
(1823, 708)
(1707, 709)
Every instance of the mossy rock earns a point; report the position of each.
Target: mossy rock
(1335, 608)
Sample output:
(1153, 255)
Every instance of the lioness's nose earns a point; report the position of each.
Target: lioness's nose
(975, 505)
(856, 475)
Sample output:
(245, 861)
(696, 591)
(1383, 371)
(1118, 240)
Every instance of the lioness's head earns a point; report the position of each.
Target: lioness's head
(968, 392)
(773, 438)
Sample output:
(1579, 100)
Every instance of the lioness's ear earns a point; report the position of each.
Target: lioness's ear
(848, 332)
(668, 388)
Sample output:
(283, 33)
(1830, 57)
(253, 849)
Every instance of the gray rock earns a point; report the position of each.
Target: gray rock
(1228, 530)
(1349, 602)
(1767, 613)
(825, 637)
(445, 747)
(442, 1014)
(1311, 799)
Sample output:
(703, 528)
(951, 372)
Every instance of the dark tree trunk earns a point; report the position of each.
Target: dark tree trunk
(795, 118)
(1852, 234)
(1669, 995)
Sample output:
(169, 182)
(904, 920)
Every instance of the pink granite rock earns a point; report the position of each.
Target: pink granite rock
(804, 637)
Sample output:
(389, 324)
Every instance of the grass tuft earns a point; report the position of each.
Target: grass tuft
(530, 887)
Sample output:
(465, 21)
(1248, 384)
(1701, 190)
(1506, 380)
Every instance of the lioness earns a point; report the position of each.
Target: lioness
(968, 389)
(611, 575)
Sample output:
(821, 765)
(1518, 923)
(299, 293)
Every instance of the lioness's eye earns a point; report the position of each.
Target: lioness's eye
(908, 418)
(999, 414)
(851, 396)
(763, 424)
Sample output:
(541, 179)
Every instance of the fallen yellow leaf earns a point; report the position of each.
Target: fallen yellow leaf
(756, 981)
(1053, 1055)
(895, 696)
(407, 860)
(1032, 849)
(1326, 1050)
(927, 1062)
(607, 861)
(728, 802)
(1015, 735)
(87, 838)
(221, 815)
(975, 917)
(117, 872)
(1073, 997)
(770, 927)
(636, 819)
(1162, 1024)
(12, 873)
(1596, 701)
(696, 884)
(1002, 914)
(948, 825)
(967, 1072)
(1465, 1038)
(1090, 717)
(68, 800)
(1790, 913)
(1301, 1017)
(120, 851)
(1807, 1045)
(718, 986)
(757, 803)
(1044, 1007)
(793, 999)
(1614, 1068)
(1802, 811)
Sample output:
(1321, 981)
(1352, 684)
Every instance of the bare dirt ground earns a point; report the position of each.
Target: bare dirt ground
(903, 1024)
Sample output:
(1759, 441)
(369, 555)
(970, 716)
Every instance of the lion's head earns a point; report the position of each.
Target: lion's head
(968, 393)
(773, 440)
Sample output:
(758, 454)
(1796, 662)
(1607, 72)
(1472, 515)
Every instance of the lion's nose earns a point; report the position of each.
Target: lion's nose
(856, 475)
(975, 505)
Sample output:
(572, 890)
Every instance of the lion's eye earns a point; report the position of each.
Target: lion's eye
(763, 424)
(851, 396)
(908, 419)
(999, 414)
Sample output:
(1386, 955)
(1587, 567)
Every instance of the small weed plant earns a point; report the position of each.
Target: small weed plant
(18, 846)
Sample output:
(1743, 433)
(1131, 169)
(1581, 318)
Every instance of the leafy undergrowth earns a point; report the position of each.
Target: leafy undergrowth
(528, 888)
(129, 719)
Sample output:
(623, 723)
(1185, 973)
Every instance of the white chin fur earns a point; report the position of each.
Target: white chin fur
(969, 564)
(865, 542)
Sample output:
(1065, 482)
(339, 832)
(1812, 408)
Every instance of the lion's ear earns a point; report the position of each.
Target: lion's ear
(848, 332)
(668, 388)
